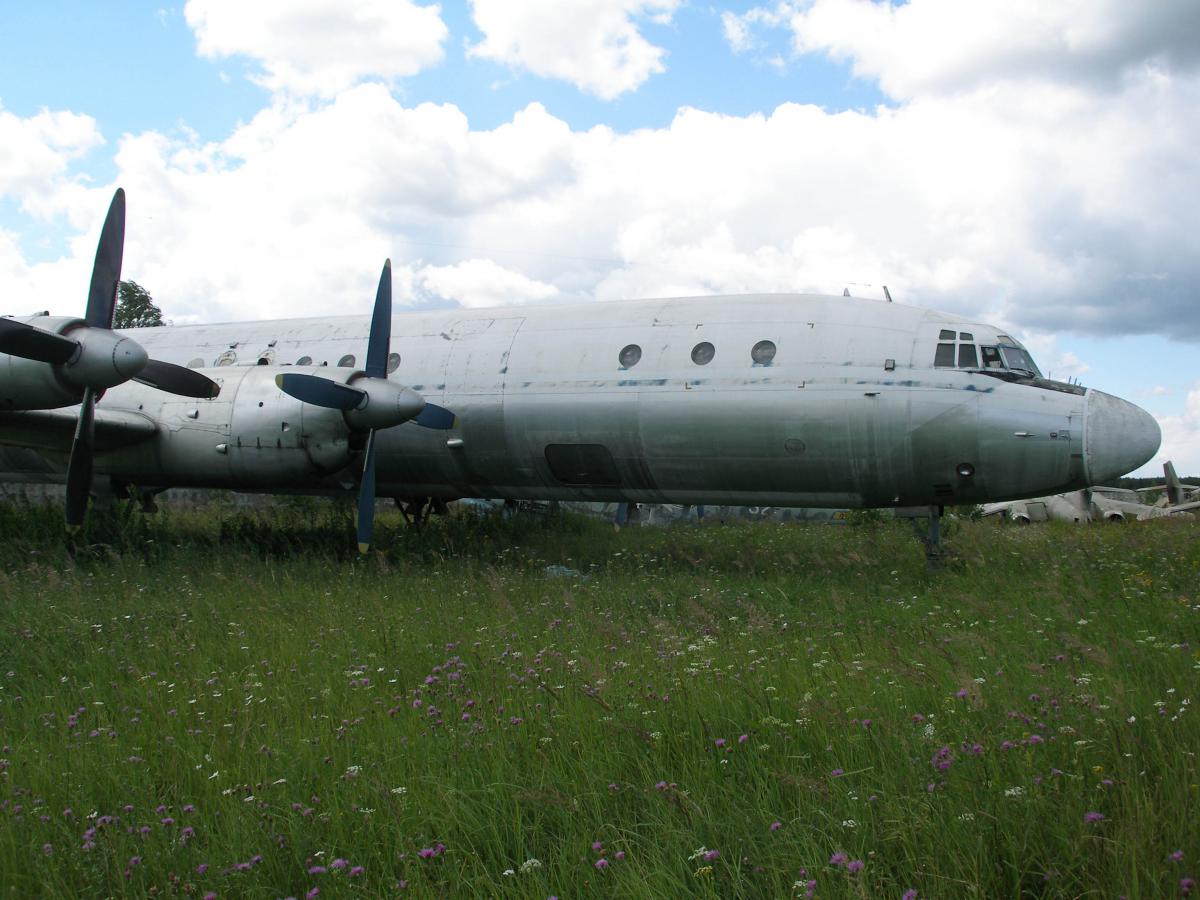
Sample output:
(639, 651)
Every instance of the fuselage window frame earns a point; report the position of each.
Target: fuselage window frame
(630, 356)
(703, 353)
(347, 361)
(763, 353)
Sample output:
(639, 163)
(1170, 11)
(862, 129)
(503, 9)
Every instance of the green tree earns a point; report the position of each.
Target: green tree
(135, 308)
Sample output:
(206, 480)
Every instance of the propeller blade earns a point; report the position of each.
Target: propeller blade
(434, 416)
(79, 467)
(379, 342)
(177, 380)
(106, 272)
(366, 498)
(319, 391)
(27, 342)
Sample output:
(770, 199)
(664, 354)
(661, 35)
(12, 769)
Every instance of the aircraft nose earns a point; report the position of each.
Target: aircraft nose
(1118, 437)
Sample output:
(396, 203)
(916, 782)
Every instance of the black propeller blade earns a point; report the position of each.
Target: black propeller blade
(106, 271)
(177, 380)
(366, 498)
(19, 339)
(434, 416)
(79, 467)
(379, 345)
(319, 391)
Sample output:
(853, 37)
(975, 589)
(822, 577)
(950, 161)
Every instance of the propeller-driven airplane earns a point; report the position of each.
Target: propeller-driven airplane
(779, 400)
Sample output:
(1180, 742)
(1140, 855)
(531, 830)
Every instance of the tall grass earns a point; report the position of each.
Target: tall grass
(232, 703)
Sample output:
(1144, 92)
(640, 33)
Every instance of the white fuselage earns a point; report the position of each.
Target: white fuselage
(849, 411)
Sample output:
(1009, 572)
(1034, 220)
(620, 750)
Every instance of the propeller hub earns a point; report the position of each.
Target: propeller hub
(104, 359)
(384, 404)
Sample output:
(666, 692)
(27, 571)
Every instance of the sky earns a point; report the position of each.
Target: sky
(1031, 165)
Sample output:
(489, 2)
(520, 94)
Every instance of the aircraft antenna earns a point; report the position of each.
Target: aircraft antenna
(846, 292)
(887, 294)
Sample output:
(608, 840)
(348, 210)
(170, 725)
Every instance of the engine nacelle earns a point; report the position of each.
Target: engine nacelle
(252, 435)
(102, 359)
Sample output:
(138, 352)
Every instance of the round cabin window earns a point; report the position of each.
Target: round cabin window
(196, 363)
(347, 361)
(304, 361)
(228, 358)
(629, 356)
(703, 353)
(762, 353)
(393, 362)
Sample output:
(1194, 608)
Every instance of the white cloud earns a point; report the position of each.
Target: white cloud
(595, 45)
(481, 282)
(320, 47)
(1071, 212)
(35, 152)
(1181, 436)
(948, 46)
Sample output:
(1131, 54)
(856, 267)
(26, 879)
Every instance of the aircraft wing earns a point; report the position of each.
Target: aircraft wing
(54, 429)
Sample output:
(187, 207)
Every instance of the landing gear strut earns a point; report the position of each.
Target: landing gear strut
(931, 537)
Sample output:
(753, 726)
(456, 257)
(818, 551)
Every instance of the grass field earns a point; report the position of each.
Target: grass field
(231, 704)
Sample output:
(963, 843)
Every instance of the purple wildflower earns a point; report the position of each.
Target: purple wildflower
(711, 855)
(356, 870)
(720, 742)
(135, 861)
(202, 868)
(854, 866)
(321, 870)
(597, 846)
(311, 895)
(910, 894)
(47, 849)
(837, 773)
(602, 864)
(1186, 886)
(962, 693)
(776, 825)
(838, 859)
(742, 738)
(1093, 817)
(620, 855)
(339, 864)
(1177, 856)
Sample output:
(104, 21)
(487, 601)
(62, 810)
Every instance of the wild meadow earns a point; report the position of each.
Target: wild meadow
(230, 704)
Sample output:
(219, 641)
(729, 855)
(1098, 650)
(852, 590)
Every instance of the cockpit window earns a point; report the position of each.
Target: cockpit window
(946, 335)
(1019, 360)
(991, 358)
(966, 336)
(967, 358)
(944, 358)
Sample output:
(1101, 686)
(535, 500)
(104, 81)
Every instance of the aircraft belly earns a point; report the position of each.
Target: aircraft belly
(756, 444)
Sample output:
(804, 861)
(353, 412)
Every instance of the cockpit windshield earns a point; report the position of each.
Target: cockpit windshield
(1018, 360)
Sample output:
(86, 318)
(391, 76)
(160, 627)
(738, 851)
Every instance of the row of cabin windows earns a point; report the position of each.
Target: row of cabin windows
(761, 354)
(229, 358)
